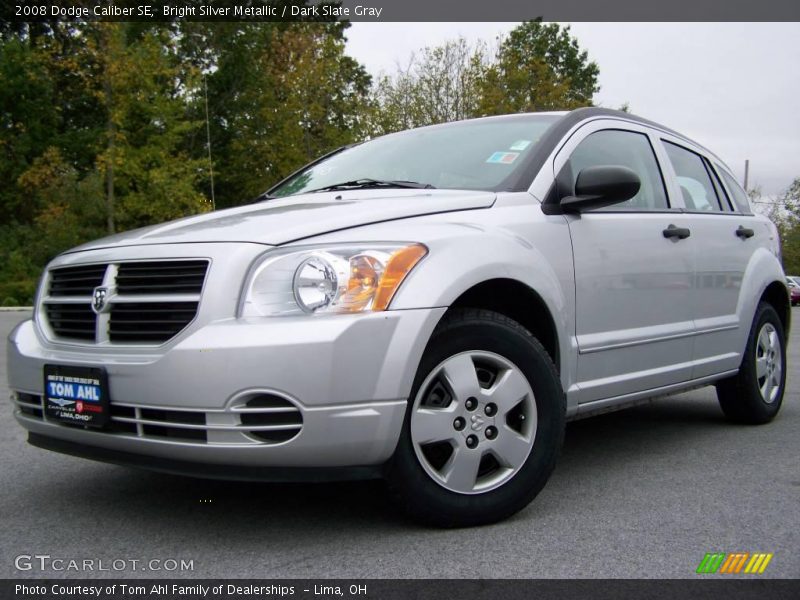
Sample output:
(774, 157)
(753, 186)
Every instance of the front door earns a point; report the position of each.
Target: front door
(634, 267)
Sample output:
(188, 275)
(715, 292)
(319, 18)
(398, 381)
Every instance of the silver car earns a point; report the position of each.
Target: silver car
(429, 307)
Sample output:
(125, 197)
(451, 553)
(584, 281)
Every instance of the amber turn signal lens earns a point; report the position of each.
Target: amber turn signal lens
(363, 283)
(399, 265)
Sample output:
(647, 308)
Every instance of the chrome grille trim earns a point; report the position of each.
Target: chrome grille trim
(174, 424)
(149, 310)
(179, 425)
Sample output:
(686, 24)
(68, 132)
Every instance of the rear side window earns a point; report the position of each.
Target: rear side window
(615, 147)
(693, 178)
(739, 195)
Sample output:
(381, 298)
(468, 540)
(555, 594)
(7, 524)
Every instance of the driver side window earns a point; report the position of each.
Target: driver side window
(613, 147)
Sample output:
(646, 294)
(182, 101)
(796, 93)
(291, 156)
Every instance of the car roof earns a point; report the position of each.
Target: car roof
(571, 119)
(593, 112)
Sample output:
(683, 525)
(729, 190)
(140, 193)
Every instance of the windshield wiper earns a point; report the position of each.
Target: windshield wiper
(262, 198)
(366, 183)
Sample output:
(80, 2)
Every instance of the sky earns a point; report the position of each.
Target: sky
(732, 87)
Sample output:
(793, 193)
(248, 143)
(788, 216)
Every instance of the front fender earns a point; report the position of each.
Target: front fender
(472, 255)
(512, 240)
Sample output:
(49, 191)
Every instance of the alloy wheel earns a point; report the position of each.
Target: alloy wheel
(473, 422)
(769, 362)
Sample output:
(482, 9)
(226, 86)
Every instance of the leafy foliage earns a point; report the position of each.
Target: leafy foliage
(785, 213)
(440, 84)
(537, 67)
(103, 125)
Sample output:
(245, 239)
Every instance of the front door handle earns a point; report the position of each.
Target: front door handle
(744, 232)
(677, 232)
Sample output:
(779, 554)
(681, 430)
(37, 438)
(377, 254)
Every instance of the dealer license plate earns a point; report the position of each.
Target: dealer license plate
(77, 395)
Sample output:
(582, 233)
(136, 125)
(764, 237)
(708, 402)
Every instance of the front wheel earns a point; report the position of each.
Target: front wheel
(755, 394)
(484, 423)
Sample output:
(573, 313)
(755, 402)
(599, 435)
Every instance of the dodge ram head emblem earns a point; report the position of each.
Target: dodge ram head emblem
(99, 299)
(477, 422)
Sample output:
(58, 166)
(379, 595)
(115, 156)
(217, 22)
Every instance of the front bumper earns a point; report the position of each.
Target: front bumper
(349, 377)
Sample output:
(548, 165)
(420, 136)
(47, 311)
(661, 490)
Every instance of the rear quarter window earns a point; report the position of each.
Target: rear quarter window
(696, 185)
(737, 193)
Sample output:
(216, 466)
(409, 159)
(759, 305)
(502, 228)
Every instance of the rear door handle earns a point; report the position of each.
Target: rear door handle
(677, 232)
(744, 232)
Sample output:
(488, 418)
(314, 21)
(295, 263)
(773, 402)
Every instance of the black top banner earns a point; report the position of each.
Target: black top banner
(401, 10)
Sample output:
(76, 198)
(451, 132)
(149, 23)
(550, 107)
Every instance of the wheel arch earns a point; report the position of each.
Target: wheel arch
(516, 301)
(763, 281)
(776, 295)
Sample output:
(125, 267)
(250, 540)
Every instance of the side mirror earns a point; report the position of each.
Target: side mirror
(601, 186)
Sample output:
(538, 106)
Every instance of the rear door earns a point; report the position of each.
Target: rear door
(726, 234)
(632, 275)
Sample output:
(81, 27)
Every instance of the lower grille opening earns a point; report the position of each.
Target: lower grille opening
(264, 418)
(30, 404)
(175, 433)
(173, 416)
(292, 418)
(176, 417)
(158, 423)
(127, 412)
(275, 437)
(274, 419)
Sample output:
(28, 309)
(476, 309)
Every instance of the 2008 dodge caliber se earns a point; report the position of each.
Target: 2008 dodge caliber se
(429, 306)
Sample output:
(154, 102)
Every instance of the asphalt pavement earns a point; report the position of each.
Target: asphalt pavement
(644, 492)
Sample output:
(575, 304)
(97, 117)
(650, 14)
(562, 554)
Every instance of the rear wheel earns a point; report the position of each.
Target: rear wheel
(755, 394)
(484, 423)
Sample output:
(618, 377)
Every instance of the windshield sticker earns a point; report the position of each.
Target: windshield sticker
(503, 158)
(520, 145)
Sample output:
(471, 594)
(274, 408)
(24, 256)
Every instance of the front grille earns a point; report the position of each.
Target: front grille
(264, 419)
(76, 281)
(72, 321)
(176, 277)
(149, 302)
(149, 321)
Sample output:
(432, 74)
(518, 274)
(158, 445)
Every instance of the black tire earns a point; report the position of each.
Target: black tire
(740, 396)
(424, 499)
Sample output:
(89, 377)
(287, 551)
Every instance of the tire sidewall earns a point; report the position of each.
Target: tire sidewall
(766, 314)
(531, 359)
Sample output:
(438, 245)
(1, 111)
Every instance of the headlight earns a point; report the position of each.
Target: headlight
(331, 279)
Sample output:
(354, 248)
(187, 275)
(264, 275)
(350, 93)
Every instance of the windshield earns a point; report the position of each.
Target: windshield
(474, 155)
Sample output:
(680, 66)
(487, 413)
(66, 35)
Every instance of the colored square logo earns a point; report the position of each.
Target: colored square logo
(502, 158)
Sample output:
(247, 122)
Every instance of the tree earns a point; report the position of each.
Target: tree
(94, 128)
(538, 67)
(437, 86)
(144, 94)
(103, 124)
(785, 213)
(303, 97)
(27, 121)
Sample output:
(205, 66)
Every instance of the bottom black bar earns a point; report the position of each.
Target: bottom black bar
(379, 589)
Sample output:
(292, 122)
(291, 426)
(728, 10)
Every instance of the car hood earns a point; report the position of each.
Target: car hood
(286, 220)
